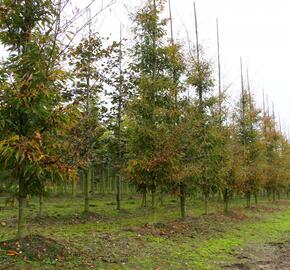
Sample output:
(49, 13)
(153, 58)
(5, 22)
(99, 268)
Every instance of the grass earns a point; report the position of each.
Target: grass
(108, 239)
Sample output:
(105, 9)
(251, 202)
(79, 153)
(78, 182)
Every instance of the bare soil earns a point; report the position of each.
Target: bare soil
(36, 247)
(206, 225)
(273, 256)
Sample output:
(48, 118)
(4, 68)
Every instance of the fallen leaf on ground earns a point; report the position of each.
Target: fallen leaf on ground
(11, 253)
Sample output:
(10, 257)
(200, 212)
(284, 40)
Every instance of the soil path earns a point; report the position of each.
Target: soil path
(273, 256)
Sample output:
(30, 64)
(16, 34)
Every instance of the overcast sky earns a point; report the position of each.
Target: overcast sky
(256, 30)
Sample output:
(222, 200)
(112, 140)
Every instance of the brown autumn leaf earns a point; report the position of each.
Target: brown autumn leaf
(11, 253)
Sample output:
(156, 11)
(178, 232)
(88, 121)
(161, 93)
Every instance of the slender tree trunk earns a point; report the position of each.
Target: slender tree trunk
(256, 198)
(274, 195)
(118, 193)
(22, 197)
(206, 196)
(119, 119)
(73, 187)
(41, 204)
(153, 204)
(144, 198)
(108, 177)
(65, 188)
(220, 196)
(248, 199)
(21, 217)
(182, 200)
(86, 190)
(161, 199)
(269, 194)
(153, 201)
(226, 201)
(92, 180)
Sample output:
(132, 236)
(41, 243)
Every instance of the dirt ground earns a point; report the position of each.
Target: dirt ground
(272, 256)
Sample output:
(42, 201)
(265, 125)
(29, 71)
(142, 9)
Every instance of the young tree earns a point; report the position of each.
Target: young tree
(119, 94)
(30, 111)
(180, 126)
(206, 140)
(89, 65)
(275, 156)
(248, 128)
(153, 152)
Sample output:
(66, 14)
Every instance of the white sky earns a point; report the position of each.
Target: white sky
(256, 30)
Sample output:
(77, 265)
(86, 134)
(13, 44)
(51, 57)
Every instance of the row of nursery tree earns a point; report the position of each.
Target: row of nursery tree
(150, 112)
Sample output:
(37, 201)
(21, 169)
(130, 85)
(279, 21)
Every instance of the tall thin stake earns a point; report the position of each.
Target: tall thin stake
(118, 184)
(279, 119)
(243, 90)
(219, 71)
(273, 116)
(182, 185)
(199, 88)
(267, 110)
(264, 105)
(264, 113)
(171, 22)
(243, 101)
(196, 33)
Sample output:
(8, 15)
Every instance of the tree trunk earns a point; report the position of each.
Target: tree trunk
(161, 198)
(22, 197)
(256, 198)
(65, 187)
(248, 199)
(219, 196)
(153, 204)
(118, 193)
(274, 195)
(21, 217)
(269, 194)
(108, 178)
(41, 204)
(86, 190)
(182, 200)
(92, 180)
(226, 201)
(73, 186)
(206, 203)
(144, 198)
